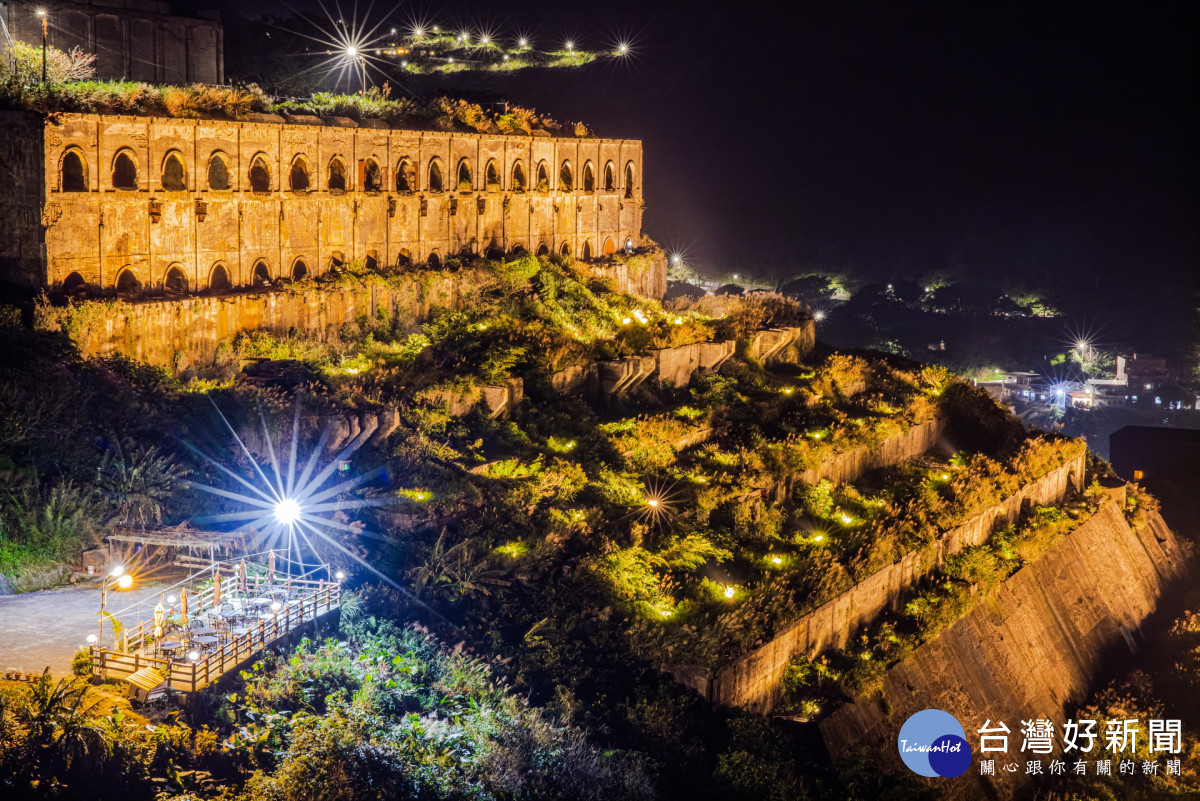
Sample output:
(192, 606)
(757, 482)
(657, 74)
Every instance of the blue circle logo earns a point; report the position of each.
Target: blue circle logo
(933, 743)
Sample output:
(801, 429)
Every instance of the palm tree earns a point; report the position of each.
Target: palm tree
(137, 484)
(61, 734)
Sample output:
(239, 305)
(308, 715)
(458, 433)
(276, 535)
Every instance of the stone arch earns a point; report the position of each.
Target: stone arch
(175, 282)
(406, 176)
(337, 260)
(610, 247)
(128, 283)
(124, 171)
(372, 176)
(543, 249)
(491, 177)
(565, 250)
(403, 258)
(543, 177)
(629, 179)
(336, 181)
(299, 270)
(610, 178)
(518, 250)
(73, 284)
(72, 172)
(218, 279)
(218, 172)
(589, 177)
(466, 182)
(518, 178)
(371, 262)
(300, 177)
(261, 275)
(494, 252)
(628, 245)
(174, 176)
(566, 176)
(434, 260)
(260, 175)
(587, 251)
(434, 184)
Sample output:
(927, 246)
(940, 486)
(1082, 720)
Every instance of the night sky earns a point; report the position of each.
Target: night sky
(1040, 145)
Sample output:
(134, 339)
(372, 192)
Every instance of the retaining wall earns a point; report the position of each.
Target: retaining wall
(753, 681)
(1030, 651)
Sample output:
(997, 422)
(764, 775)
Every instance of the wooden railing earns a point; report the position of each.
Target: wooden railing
(188, 676)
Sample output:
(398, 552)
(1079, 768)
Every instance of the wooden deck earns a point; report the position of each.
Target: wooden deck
(314, 600)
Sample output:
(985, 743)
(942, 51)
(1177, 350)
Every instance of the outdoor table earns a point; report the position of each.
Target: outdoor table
(204, 631)
(205, 639)
(261, 601)
(170, 645)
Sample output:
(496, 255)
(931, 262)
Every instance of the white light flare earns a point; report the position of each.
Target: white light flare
(288, 511)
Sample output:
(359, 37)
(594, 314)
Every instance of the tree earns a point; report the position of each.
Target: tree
(23, 64)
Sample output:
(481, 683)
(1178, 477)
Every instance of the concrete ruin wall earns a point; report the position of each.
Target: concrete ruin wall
(102, 232)
(1030, 651)
(137, 40)
(753, 681)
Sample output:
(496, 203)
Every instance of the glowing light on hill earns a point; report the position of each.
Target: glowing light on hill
(729, 591)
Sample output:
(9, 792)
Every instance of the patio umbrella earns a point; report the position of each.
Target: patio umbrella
(160, 617)
(183, 610)
(216, 589)
(242, 577)
(271, 568)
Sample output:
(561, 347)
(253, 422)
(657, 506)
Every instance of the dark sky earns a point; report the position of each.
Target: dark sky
(1048, 143)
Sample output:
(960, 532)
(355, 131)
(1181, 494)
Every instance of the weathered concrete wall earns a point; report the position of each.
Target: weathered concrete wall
(753, 682)
(842, 468)
(21, 201)
(186, 333)
(139, 40)
(204, 232)
(1030, 651)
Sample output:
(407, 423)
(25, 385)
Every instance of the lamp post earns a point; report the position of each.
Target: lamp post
(42, 13)
(124, 581)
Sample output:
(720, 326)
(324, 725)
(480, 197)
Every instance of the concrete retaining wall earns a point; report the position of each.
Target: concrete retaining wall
(753, 682)
(1030, 651)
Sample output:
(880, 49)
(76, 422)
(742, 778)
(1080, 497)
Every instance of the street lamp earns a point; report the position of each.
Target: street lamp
(124, 581)
(41, 12)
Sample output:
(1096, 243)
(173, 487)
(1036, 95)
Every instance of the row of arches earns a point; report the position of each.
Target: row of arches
(73, 174)
(176, 281)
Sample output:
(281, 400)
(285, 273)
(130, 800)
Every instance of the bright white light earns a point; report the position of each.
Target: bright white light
(171, 599)
(818, 537)
(352, 51)
(275, 607)
(339, 575)
(729, 591)
(819, 316)
(418, 33)
(676, 258)
(523, 43)
(118, 570)
(91, 638)
(125, 581)
(652, 502)
(194, 656)
(484, 39)
(570, 45)
(623, 48)
(287, 511)
(41, 12)
(777, 560)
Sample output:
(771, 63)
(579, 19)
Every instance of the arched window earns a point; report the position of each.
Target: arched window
(298, 178)
(372, 177)
(173, 179)
(406, 176)
(124, 174)
(128, 283)
(543, 249)
(629, 179)
(218, 173)
(587, 251)
(566, 178)
(74, 173)
(434, 184)
(73, 284)
(518, 178)
(434, 260)
(261, 275)
(629, 246)
(371, 262)
(491, 177)
(518, 250)
(589, 178)
(610, 247)
(176, 282)
(219, 279)
(403, 258)
(610, 180)
(337, 260)
(337, 176)
(299, 270)
(494, 252)
(260, 176)
(565, 250)
(543, 178)
(465, 184)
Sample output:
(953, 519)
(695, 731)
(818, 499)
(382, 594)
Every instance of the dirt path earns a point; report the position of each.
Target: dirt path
(45, 628)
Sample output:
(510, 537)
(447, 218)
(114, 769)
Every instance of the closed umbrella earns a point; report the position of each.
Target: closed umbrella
(242, 577)
(271, 568)
(216, 589)
(183, 610)
(160, 617)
